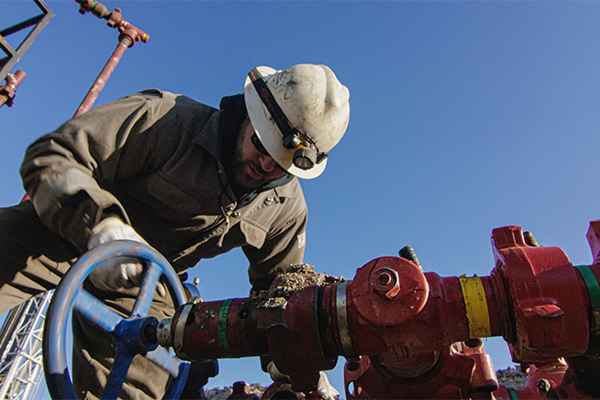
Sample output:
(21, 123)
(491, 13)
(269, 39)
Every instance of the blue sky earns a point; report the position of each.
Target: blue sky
(465, 116)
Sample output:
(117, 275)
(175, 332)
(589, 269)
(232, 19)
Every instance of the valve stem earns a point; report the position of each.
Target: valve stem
(408, 253)
(530, 239)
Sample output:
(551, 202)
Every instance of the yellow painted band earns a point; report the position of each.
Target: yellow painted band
(476, 307)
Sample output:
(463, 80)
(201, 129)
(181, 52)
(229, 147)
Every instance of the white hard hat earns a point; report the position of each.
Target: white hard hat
(301, 113)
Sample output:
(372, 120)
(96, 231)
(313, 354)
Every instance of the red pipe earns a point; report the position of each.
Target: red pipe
(100, 81)
(129, 36)
(7, 92)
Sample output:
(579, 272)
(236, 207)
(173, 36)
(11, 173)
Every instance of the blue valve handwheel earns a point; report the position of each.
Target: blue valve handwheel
(70, 296)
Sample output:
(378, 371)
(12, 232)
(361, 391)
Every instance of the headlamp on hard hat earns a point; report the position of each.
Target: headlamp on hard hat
(306, 152)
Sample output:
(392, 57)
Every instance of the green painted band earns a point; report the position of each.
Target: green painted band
(222, 328)
(513, 394)
(593, 288)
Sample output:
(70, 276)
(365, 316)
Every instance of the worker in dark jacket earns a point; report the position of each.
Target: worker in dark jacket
(191, 181)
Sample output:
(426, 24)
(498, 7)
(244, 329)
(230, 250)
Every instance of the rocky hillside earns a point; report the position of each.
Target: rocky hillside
(224, 393)
(510, 377)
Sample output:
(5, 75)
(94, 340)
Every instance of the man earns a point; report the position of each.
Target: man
(191, 181)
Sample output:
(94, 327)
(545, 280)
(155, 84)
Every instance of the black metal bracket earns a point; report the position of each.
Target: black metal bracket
(13, 56)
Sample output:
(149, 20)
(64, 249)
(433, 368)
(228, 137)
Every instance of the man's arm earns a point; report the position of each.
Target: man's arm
(283, 247)
(62, 170)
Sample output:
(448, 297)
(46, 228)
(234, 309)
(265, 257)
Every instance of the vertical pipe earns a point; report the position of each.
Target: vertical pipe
(100, 81)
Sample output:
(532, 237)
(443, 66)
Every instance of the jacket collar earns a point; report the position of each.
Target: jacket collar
(208, 137)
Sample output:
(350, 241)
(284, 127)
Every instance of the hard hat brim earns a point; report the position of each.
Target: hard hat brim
(270, 135)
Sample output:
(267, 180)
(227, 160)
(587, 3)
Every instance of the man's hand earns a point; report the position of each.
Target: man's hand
(118, 272)
(275, 374)
(112, 228)
(325, 390)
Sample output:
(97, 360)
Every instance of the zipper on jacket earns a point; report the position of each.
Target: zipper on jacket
(191, 248)
(227, 213)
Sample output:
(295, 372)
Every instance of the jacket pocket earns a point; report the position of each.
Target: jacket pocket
(255, 234)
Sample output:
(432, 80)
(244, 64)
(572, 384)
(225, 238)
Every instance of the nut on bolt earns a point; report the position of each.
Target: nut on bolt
(386, 281)
(543, 384)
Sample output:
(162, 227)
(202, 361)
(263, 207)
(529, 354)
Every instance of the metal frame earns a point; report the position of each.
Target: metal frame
(21, 353)
(13, 56)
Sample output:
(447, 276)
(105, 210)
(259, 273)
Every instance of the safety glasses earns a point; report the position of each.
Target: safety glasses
(258, 145)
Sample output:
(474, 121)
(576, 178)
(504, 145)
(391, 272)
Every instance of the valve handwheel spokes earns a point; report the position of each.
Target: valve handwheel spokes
(128, 333)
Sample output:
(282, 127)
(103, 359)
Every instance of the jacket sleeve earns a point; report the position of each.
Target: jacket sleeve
(65, 172)
(284, 246)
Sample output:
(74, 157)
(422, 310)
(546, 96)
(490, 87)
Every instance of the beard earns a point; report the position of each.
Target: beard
(247, 174)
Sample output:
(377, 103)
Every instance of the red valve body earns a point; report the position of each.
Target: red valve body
(403, 322)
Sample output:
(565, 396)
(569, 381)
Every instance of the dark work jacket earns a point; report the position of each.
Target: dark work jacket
(154, 158)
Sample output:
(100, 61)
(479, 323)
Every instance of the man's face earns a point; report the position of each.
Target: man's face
(251, 168)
